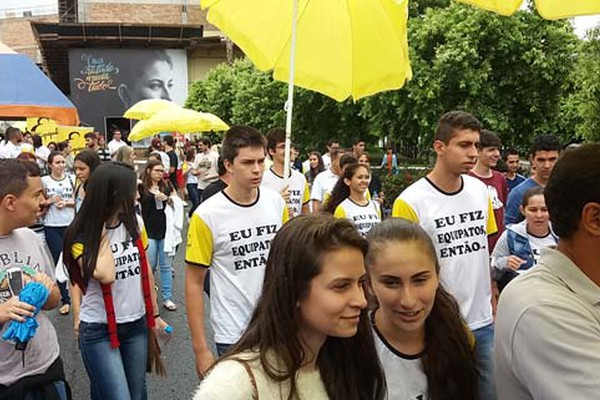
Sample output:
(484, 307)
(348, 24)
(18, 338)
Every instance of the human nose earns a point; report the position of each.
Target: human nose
(358, 298)
(407, 297)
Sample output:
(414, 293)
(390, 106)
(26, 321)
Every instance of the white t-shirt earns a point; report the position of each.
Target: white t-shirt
(114, 145)
(403, 373)
(9, 150)
(458, 223)
(127, 294)
(190, 177)
(298, 188)
(64, 189)
(326, 160)
(323, 185)
(206, 164)
(538, 243)
(234, 241)
(42, 152)
(363, 217)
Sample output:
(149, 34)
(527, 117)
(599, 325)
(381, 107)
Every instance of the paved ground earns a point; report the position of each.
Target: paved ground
(179, 358)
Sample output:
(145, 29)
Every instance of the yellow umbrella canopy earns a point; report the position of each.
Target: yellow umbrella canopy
(177, 120)
(145, 109)
(549, 9)
(344, 48)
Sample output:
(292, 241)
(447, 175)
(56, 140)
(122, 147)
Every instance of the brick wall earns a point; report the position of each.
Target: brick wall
(17, 33)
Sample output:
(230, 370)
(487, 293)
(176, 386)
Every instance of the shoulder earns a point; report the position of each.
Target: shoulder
(270, 196)
(228, 380)
(26, 235)
(416, 190)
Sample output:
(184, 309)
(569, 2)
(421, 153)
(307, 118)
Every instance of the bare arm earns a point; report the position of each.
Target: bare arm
(104, 272)
(316, 206)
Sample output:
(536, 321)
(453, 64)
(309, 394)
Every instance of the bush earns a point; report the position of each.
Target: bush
(394, 184)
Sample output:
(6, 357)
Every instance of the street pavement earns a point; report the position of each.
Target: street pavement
(179, 357)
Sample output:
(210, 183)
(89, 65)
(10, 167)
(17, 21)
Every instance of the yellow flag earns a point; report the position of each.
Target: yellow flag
(45, 127)
(74, 134)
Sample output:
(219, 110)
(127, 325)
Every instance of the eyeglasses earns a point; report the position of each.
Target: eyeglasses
(162, 171)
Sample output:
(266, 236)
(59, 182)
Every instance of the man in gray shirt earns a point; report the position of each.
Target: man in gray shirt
(548, 323)
(36, 371)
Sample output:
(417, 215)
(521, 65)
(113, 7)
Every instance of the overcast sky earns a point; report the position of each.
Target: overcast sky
(581, 23)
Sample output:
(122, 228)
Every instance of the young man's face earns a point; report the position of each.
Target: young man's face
(544, 162)
(117, 135)
(201, 147)
(26, 207)
(359, 148)
(247, 167)
(512, 163)
(278, 153)
(90, 142)
(460, 154)
(489, 156)
(333, 147)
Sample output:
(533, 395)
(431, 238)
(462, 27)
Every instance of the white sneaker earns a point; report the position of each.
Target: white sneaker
(169, 305)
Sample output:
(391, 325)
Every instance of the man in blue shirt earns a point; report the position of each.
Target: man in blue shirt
(511, 159)
(544, 153)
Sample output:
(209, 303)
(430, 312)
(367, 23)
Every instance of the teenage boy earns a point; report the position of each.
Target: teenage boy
(332, 148)
(12, 147)
(511, 159)
(173, 160)
(544, 153)
(358, 147)
(456, 211)
(324, 182)
(548, 325)
(488, 154)
(24, 258)
(205, 165)
(295, 192)
(230, 233)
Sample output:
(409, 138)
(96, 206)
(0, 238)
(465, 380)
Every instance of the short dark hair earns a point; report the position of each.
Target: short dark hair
(12, 131)
(91, 135)
(240, 136)
(347, 159)
(206, 141)
(574, 182)
(454, 121)
(274, 137)
(37, 141)
(488, 139)
(545, 143)
(169, 140)
(534, 191)
(332, 140)
(14, 174)
(357, 140)
(511, 151)
(221, 170)
(62, 145)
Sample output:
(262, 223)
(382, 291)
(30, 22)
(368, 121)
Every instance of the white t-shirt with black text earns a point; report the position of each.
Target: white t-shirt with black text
(364, 217)
(59, 217)
(323, 185)
(298, 188)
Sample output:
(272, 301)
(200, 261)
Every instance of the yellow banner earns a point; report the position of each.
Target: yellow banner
(74, 134)
(45, 127)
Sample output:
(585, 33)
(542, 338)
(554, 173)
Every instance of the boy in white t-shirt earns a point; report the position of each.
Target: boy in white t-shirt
(205, 165)
(456, 211)
(230, 233)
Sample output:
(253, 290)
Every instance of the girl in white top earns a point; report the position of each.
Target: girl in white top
(349, 199)
(309, 336)
(424, 345)
(58, 191)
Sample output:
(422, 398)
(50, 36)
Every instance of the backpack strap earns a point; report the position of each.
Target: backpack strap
(252, 378)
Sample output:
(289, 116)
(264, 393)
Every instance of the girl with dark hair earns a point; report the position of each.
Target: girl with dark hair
(85, 163)
(104, 252)
(153, 200)
(41, 152)
(375, 187)
(316, 166)
(519, 247)
(424, 346)
(309, 335)
(349, 199)
(191, 180)
(58, 191)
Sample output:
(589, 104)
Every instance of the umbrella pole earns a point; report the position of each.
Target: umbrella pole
(289, 104)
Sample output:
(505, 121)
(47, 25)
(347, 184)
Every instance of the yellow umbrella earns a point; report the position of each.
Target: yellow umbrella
(144, 109)
(177, 120)
(341, 48)
(549, 9)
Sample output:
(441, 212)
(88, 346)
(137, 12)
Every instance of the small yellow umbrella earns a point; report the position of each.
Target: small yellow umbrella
(549, 9)
(179, 120)
(145, 109)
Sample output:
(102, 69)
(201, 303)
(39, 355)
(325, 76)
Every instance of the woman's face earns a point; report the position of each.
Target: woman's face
(335, 298)
(58, 165)
(314, 162)
(364, 160)
(82, 170)
(535, 212)
(156, 82)
(156, 173)
(403, 279)
(359, 183)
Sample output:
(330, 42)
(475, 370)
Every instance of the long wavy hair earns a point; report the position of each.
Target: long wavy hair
(110, 191)
(341, 191)
(312, 173)
(449, 357)
(349, 367)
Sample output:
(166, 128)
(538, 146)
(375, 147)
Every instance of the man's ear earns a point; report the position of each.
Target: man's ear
(9, 202)
(439, 147)
(590, 219)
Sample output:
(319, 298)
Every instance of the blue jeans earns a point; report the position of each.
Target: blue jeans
(484, 347)
(54, 239)
(157, 256)
(115, 374)
(222, 348)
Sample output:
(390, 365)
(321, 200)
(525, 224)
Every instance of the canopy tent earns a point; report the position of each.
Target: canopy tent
(27, 92)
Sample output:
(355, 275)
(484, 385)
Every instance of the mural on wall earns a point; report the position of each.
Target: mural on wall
(106, 82)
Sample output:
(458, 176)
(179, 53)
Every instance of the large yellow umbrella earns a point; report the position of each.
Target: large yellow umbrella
(177, 120)
(341, 48)
(145, 109)
(549, 9)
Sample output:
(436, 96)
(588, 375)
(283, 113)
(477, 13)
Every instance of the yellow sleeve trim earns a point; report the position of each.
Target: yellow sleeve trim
(339, 212)
(306, 197)
(492, 227)
(200, 242)
(144, 237)
(402, 209)
(286, 215)
(77, 250)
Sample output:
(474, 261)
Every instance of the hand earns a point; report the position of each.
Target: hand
(44, 279)
(515, 262)
(160, 196)
(54, 199)
(76, 327)
(160, 324)
(61, 204)
(13, 309)
(204, 360)
(285, 193)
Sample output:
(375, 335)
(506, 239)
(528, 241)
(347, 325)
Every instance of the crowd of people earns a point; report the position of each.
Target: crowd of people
(313, 292)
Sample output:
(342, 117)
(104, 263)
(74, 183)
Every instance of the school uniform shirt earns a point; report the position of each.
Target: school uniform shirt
(323, 185)
(10, 150)
(23, 254)
(59, 217)
(234, 241)
(298, 188)
(127, 293)
(537, 243)
(364, 217)
(458, 224)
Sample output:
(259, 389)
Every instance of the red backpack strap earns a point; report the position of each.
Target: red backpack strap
(110, 315)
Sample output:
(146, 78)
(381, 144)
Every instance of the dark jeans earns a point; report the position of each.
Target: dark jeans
(222, 348)
(54, 239)
(192, 190)
(115, 374)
